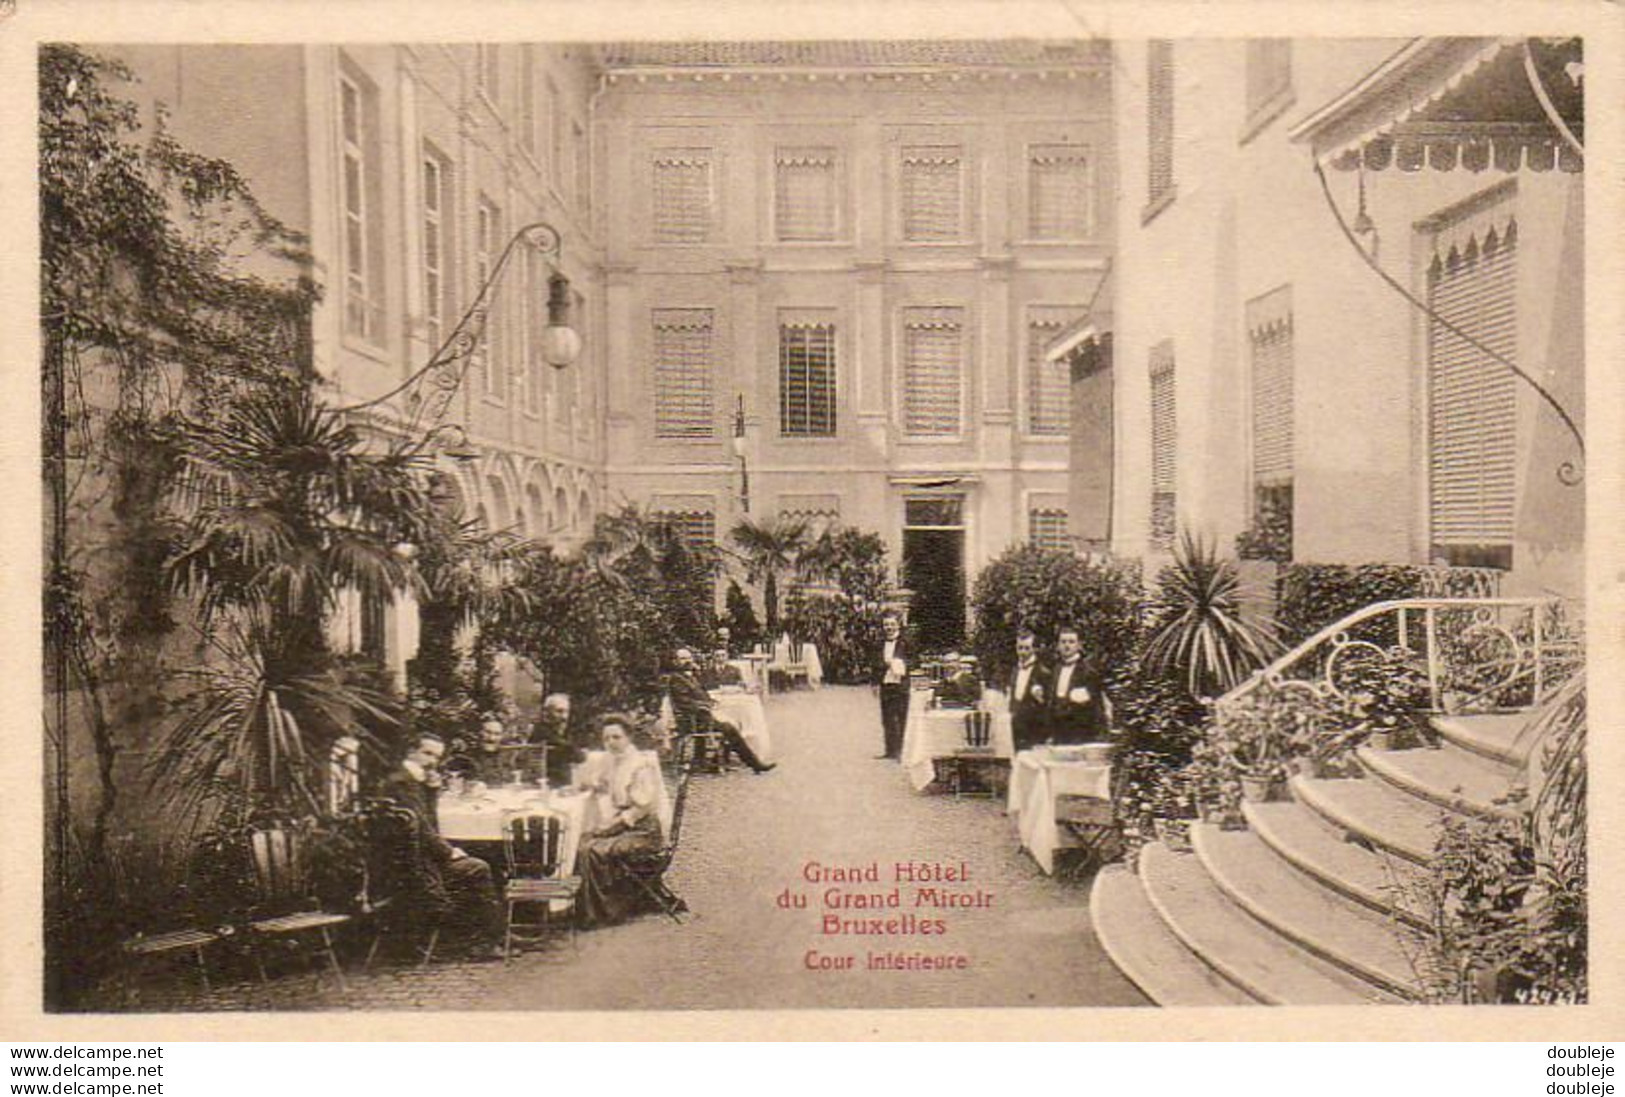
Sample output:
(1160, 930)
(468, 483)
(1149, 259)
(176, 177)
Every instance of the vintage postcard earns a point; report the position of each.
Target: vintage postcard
(969, 519)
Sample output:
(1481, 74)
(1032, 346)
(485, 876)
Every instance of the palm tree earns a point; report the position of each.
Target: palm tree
(280, 508)
(769, 549)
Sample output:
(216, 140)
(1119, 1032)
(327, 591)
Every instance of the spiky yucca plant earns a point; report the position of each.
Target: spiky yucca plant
(1199, 634)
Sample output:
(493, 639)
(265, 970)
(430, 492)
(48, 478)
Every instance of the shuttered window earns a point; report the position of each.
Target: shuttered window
(684, 403)
(487, 221)
(1269, 72)
(933, 192)
(437, 209)
(363, 307)
(1046, 528)
(1164, 446)
(1269, 333)
(807, 378)
(933, 365)
(1049, 396)
(1159, 114)
(682, 196)
(804, 193)
(1472, 420)
(1059, 205)
(696, 529)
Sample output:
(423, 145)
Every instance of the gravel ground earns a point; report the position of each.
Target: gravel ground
(746, 839)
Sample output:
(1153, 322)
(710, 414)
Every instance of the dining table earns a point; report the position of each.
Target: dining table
(1037, 778)
(745, 711)
(933, 733)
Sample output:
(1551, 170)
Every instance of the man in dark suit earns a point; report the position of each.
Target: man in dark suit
(891, 675)
(465, 880)
(1077, 705)
(552, 730)
(1029, 693)
(692, 705)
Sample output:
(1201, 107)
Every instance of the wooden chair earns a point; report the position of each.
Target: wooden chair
(649, 870)
(533, 845)
(974, 765)
(793, 668)
(187, 939)
(285, 909)
(398, 890)
(1091, 821)
(700, 744)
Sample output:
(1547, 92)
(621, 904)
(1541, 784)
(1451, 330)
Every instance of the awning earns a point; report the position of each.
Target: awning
(1473, 102)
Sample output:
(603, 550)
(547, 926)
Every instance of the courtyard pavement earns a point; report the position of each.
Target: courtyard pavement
(746, 840)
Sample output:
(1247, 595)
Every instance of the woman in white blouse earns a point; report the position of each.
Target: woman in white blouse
(627, 782)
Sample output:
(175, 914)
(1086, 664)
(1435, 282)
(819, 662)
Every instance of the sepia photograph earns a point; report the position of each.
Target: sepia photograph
(703, 523)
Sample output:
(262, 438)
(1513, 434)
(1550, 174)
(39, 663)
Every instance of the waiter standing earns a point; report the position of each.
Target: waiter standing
(1028, 693)
(892, 676)
(1077, 711)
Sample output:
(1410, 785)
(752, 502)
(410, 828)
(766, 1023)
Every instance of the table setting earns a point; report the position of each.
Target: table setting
(1040, 775)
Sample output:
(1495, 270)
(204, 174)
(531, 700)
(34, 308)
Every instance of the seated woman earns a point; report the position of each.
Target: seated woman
(628, 783)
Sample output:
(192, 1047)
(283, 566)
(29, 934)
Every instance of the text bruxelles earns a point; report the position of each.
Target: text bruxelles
(845, 892)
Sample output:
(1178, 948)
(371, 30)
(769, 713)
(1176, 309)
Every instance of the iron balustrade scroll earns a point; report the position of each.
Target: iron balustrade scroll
(1477, 655)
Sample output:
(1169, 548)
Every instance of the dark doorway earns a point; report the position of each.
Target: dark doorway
(934, 569)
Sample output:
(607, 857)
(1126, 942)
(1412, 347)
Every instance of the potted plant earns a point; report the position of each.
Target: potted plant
(1249, 738)
(1384, 700)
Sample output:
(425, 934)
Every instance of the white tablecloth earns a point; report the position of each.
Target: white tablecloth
(745, 712)
(809, 657)
(937, 733)
(465, 818)
(747, 673)
(1036, 779)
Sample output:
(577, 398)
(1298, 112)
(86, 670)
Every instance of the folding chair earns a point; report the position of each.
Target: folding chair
(649, 870)
(286, 910)
(533, 845)
(1091, 821)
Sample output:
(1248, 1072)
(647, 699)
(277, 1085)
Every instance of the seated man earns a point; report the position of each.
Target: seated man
(692, 706)
(466, 881)
(960, 688)
(486, 763)
(719, 672)
(552, 730)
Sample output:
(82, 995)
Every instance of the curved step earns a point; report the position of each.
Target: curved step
(1144, 949)
(1365, 944)
(1381, 881)
(1375, 812)
(1492, 735)
(1448, 777)
(1225, 938)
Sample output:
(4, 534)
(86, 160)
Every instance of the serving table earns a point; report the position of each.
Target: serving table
(1037, 778)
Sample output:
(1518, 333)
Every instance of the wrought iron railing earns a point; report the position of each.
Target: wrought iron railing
(1476, 654)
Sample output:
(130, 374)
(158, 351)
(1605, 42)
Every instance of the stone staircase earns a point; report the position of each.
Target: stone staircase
(1317, 901)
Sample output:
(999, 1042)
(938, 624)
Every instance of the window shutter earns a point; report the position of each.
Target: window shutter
(1159, 90)
(1046, 528)
(1049, 392)
(932, 192)
(807, 379)
(1058, 206)
(684, 405)
(933, 352)
(805, 194)
(682, 197)
(696, 529)
(1472, 399)
(1164, 445)
(1269, 332)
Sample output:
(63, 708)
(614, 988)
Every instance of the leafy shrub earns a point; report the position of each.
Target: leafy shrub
(1313, 596)
(1197, 632)
(847, 633)
(739, 617)
(1043, 590)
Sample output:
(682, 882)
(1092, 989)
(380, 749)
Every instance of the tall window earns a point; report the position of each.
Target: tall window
(933, 192)
(1269, 333)
(806, 378)
(1269, 73)
(1059, 196)
(1164, 446)
(1046, 527)
(527, 101)
(933, 365)
(684, 402)
(489, 354)
(1049, 391)
(363, 226)
(683, 197)
(693, 522)
(438, 215)
(1159, 114)
(805, 193)
(1472, 400)
(487, 70)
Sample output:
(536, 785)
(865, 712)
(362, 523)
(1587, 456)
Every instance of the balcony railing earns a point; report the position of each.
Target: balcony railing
(1478, 654)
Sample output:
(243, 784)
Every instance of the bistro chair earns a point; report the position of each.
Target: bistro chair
(648, 871)
(285, 908)
(398, 890)
(184, 939)
(1092, 822)
(533, 846)
(699, 743)
(973, 766)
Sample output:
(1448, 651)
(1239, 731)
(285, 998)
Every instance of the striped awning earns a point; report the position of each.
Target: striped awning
(1475, 103)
